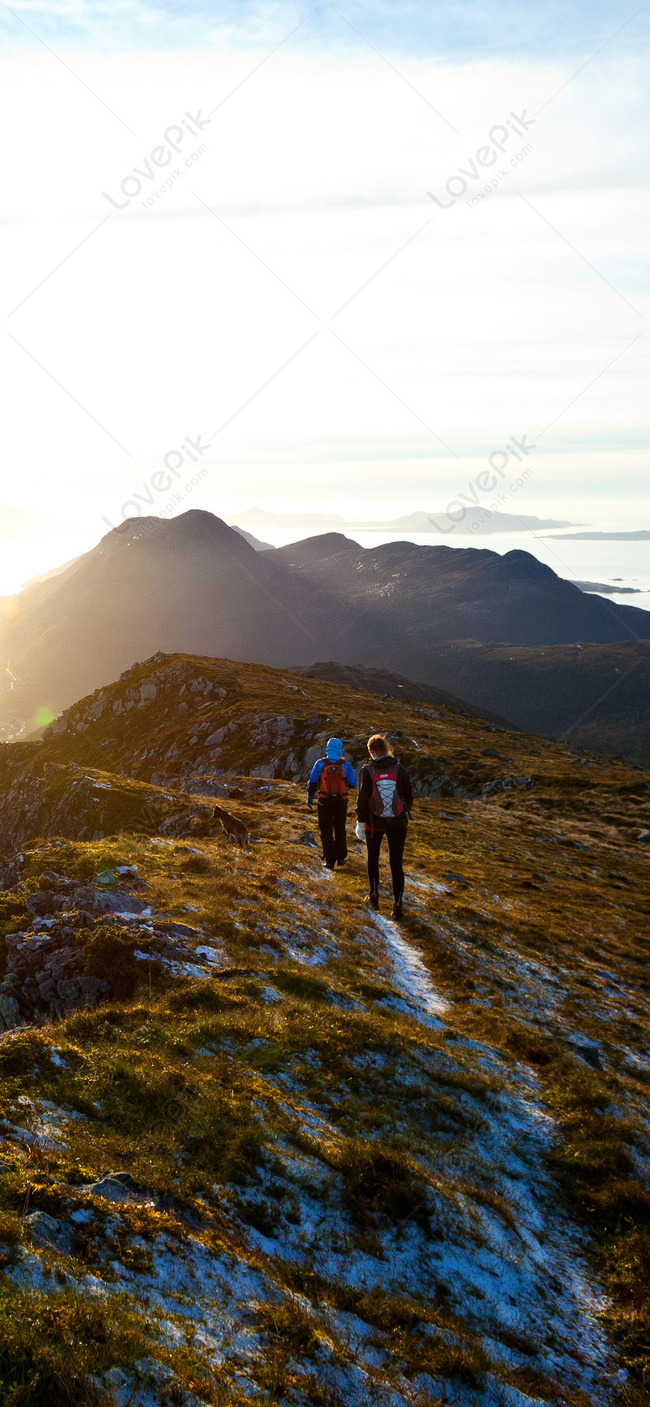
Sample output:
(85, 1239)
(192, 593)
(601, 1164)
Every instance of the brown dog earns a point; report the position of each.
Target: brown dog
(234, 829)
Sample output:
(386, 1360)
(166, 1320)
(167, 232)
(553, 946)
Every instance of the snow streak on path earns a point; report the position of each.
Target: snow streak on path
(410, 975)
(515, 1266)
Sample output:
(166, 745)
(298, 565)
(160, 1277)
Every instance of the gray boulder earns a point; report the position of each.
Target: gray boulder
(117, 901)
(9, 1013)
(47, 1231)
(44, 902)
(116, 1187)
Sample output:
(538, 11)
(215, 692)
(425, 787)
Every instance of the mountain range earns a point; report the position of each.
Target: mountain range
(426, 594)
(432, 614)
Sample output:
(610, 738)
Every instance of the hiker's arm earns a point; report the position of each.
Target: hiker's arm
(312, 785)
(408, 790)
(365, 792)
(349, 775)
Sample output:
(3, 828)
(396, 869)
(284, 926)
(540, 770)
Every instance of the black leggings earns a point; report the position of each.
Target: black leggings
(396, 840)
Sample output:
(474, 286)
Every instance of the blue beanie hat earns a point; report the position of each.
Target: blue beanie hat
(334, 750)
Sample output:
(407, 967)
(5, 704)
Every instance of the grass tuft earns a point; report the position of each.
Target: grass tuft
(379, 1183)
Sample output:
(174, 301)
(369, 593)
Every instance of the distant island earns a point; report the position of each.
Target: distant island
(476, 520)
(641, 536)
(602, 589)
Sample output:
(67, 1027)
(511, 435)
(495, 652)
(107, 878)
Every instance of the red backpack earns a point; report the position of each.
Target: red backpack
(385, 802)
(332, 780)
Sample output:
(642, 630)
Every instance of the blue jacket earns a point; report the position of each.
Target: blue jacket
(312, 785)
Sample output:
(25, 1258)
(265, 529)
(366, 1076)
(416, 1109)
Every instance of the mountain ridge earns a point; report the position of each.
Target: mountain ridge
(261, 1143)
(194, 584)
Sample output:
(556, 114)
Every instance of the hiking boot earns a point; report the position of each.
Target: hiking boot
(372, 900)
(328, 864)
(398, 909)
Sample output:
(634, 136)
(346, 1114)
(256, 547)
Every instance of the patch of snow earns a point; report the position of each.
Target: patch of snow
(180, 969)
(212, 955)
(30, 1273)
(32, 1139)
(410, 976)
(422, 883)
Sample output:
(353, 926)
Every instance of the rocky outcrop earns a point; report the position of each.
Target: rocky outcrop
(87, 943)
(47, 966)
(40, 797)
(45, 976)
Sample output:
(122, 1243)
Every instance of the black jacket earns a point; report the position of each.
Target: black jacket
(404, 791)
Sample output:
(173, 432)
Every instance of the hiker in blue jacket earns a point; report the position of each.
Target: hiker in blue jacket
(330, 779)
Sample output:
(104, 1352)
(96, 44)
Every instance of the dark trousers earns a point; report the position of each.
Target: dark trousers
(332, 816)
(396, 840)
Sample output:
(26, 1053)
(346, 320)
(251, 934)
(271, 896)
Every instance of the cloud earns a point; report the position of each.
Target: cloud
(215, 311)
(460, 29)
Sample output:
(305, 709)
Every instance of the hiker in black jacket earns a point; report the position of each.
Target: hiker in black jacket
(383, 807)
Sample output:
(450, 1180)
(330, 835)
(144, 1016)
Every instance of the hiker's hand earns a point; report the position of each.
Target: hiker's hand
(309, 802)
(359, 830)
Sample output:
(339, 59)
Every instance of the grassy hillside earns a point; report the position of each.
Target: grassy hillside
(263, 1146)
(597, 695)
(383, 683)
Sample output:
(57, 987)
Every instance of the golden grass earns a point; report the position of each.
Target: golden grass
(203, 1084)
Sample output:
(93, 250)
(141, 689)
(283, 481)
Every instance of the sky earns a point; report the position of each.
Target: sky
(347, 257)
